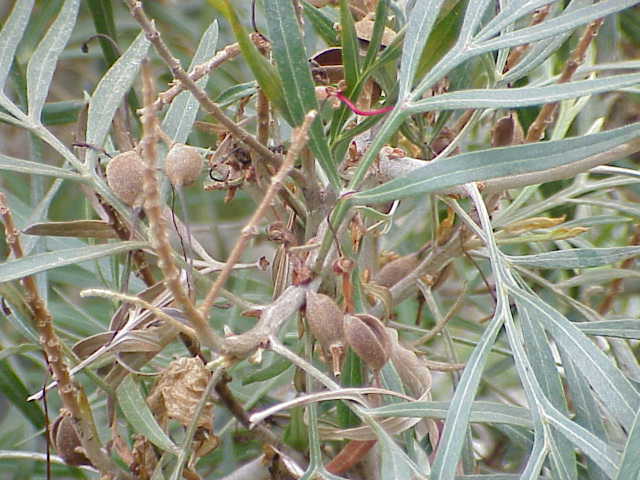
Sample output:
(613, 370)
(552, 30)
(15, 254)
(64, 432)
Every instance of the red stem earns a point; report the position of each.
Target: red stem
(357, 111)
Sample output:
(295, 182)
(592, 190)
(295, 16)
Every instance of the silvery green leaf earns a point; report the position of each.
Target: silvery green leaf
(43, 61)
(629, 466)
(111, 89)
(576, 257)
(34, 168)
(496, 163)
(21, 267)
(11, 34)
(597, 276)
(421, 20)
(183, 110)
(622, 328)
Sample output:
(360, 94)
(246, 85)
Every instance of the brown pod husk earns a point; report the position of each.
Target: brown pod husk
(396, 270)
(66, 441)
(326, 322)
(183, 165)
(367, 336)
(415, 375)
(507, 131)
(125, 174)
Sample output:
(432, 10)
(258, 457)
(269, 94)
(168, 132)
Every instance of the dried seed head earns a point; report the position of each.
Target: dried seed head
(66, 441)
(326, 322)
(125, 173)
(396, 270)
(183, 164)
(367, 336)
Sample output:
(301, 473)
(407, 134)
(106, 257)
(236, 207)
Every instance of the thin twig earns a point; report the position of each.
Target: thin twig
(299, 140)
(199, 94)
(545, 116)
(516, 53)
(52, 347)
(153, 209)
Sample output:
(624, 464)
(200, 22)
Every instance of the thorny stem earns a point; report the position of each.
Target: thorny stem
(299, 140)
(153, 209)
(199, 94)
(52, 347)
(545, 116)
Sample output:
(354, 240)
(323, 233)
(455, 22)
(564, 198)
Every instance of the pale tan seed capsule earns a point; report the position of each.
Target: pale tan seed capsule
(125, 173)
(367, 336)
(183, 165)
(66, 442)
(326, 322)
(396, 270)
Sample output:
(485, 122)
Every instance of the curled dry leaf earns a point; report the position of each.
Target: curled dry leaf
(178, 390)
(125, 173)
(368, 337)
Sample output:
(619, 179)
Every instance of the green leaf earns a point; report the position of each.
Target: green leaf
(278, 366)
(378, 31)
(137, 413)
(421, 20)
(111, 89)
(182, 112)
(630, 464)
(102, 14)
(481, 412)
(495, 163)
(576, 257)
(15, 391)
(265, 73)
(60, 113)
(322, 24)
(350, 46)
(293, 67)
(11, 34)
(521, 97)
(613, 388)
(73, 228)
(33, 168)
(457, 421)
(236, 92)
(15, 269)
(612, 328)
(45, 58)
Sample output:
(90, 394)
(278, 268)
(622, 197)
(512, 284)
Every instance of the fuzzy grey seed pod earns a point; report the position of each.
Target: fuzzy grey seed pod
(66, 441)
(367, 336)
(415, 375)
(183, 165)
(396, 270)
(326, 322)
(125, 174)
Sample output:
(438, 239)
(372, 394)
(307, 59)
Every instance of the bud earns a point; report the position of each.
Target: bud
(125, 173)
(396, 270)
(183, 164)
(326, 322)
(66, 441)
(367, 336)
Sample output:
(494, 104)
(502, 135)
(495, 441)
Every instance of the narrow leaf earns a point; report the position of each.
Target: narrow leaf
(614, 389)
(630, 464)
(183, 110)
(33, 168)
(612, 328)
(496, 163)
(111, 89)
(137, 413)
(11, 34)
(15, 269)
(45, 58)
(75, 228)
(421, 20)
(577, 257)
(293, 67)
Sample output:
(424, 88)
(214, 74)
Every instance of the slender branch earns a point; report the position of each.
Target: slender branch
(516, 53)
(199, 94)
(153, 209)
(299, 140)
(545, 116)
(52, 347)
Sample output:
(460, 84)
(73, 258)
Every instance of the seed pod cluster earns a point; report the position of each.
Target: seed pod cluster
(183, 164)
(396, 270)
(325, 320)
(66, 441)
(125, 173)
(368, 337)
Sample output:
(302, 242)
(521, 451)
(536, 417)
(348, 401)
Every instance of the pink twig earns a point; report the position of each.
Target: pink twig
(357, 111)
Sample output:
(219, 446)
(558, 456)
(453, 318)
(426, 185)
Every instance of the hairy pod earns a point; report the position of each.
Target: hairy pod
(396, 270)
(326, 322)
(125, 174)
(368, 337)
(183, 165)
(415, 375)
(66, 441)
